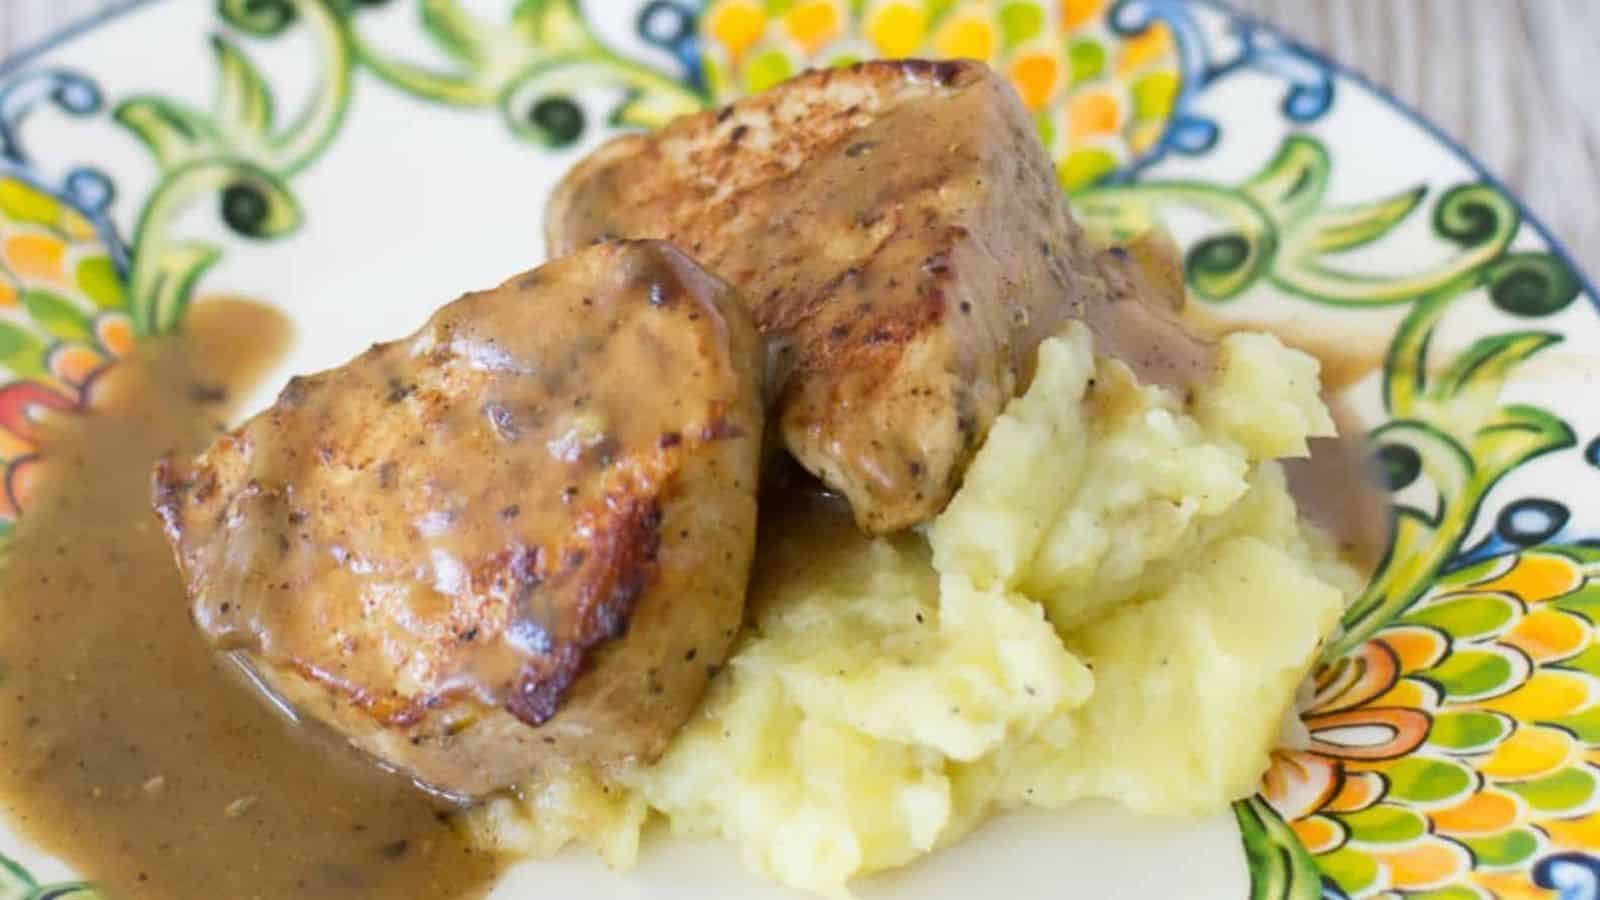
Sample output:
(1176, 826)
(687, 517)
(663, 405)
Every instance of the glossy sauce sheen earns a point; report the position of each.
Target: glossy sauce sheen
(512, 540)
(127, 747)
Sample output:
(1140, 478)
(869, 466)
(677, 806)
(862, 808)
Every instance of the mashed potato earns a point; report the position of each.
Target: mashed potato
(1119, 602)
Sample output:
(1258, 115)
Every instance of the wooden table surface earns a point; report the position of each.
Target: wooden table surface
(1508, 78)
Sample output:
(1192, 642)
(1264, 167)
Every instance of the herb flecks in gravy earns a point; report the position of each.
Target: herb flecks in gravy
(127, 747)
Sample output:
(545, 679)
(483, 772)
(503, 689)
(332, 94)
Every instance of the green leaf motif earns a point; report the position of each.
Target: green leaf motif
(244, 102)
(1468, 731)
(1086, 58)
(1019, 23)
(554, 26)
(1280, 867)
(454, 29)
(1474, 674)
(171, 133)
(57, 316)
(1585, 601)
(1584, 725)
(765, 69)
(1454, 892)
(1293, 183)
(1506, 850)
(1568, 792)
(1351, 869)
(1468, 617)
(22, 351)
(17, 883)
(1428, 782)
(98, 279)
(1348, 227)
(1384, 824)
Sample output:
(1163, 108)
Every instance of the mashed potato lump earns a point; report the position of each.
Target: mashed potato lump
(1119, 602)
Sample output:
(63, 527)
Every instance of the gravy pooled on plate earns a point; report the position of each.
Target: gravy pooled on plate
(131, 749)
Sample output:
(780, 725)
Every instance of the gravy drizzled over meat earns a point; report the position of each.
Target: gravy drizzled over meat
(514, 539)
(127, 746)
(900, 233)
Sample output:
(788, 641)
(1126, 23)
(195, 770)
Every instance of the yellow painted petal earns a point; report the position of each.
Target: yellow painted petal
(1486, 812)
(1531, 751)
(76, 227)
(1549, 694)
(1145, 135)
(1415, 648)
(1077, 13)
(1510, 885)
(1410, 694)
(8, 293)
(1548, 634)
(1575, 834)
(1146, 47)
(1036, 77)
(1092, 114)
(897, 29)
(1427, 864)
(36, 257)
(1537, 577)
(812, 24)
(1318, 834)
(966, 37)
(736, 25)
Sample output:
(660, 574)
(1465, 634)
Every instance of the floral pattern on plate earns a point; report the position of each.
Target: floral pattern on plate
(1452, 728)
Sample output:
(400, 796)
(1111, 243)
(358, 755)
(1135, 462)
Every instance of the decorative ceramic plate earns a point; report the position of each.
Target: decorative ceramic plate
(354, 161)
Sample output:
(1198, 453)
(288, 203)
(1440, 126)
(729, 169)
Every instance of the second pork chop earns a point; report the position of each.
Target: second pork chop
(899, 231)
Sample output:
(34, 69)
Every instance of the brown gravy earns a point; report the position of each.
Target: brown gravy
(1338, 489)
(127, 747)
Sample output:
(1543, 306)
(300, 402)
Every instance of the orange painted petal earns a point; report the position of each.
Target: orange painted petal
(1146, 47)
(36, 257)
(1359, 791)
(75, 363)
(115, 332)
(1093, 114)
(1430, 863)
(8, 293)
(1077, 13)
(1415, 648)
(1318, 834)
(21, 481)
(1486, 812)
(1036, 77)
(1510, 886)
(1575, 834)
(1547, 634)
(13, 445)
(1298, 784)
(1356, 679)
(1536, 577)
(1370, 733)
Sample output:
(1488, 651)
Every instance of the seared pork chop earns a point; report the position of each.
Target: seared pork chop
(517, 538)
(902, 237)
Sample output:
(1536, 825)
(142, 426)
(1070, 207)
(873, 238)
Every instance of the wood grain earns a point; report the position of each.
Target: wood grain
(1507, 78)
